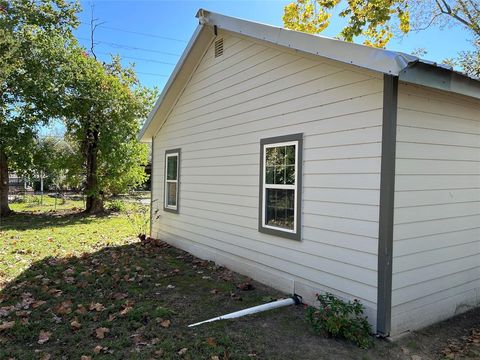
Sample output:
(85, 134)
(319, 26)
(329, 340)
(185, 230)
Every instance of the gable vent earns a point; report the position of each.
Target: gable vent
(218, 48)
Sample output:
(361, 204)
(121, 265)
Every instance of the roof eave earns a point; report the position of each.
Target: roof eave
(380, 60)
(441, 78)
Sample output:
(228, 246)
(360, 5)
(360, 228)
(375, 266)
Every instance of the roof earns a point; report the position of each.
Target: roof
(407, 67)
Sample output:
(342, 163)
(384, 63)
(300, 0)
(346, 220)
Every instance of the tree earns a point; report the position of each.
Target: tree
(377, 20)
(105, 105)
(33, 35)
(48, 161)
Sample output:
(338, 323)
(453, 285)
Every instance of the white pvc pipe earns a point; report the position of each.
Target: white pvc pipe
(252, 310)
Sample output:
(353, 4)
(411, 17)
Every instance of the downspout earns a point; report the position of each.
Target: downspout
(387, 194)
(294, 300)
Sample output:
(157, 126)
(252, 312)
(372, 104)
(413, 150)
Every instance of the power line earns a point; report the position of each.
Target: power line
(124, 46)
(152, 74)
(137, 58)
(143, 34)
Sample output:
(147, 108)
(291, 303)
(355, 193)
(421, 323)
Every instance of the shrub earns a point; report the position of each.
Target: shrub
(116, 205)
(339, 319)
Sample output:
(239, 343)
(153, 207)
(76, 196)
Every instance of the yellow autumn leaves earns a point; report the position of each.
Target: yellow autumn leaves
(371, 19)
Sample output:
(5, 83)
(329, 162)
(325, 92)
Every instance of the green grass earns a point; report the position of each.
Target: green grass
(38, 231)
(70, 274)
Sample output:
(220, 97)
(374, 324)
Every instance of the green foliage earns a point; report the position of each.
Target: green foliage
(371, 19)
(378, 20)
(116, 205)
(32, 38)
(340, 319)
(138, 216)
(103, 113)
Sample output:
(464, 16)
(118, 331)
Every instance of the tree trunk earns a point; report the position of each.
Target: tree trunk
(4, 208)
(94, 203)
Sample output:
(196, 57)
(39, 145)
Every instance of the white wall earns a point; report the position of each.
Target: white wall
(436, 265)
(255, 91)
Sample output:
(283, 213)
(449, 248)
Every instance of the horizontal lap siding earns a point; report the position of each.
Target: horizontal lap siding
(254, 92)
(436, 265)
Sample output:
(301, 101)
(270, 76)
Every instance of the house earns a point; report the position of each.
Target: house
(312, 164)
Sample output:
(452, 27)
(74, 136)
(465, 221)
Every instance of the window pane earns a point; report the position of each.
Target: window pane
(172, 168)
(270, 174)
(290, 175)
(171, 194)
(279, 174)
(280, 208)
(275, 155)
(290, 155)
(280, 165)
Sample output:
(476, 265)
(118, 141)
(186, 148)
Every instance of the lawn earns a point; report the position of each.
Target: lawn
(74, 286)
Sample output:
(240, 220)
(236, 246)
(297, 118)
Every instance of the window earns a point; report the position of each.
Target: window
(172, 170)
(280, 186)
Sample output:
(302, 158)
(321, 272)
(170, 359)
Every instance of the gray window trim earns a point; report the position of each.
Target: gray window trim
(387, 195)
(165, 208)
(298, 207)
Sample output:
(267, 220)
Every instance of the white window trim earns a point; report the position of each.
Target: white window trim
(266, 186)
(165, 201)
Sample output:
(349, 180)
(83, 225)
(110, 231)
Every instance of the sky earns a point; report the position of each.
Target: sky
(153, 34)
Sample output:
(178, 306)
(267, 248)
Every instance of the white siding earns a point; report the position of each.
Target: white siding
(256, 91)
(436, 265)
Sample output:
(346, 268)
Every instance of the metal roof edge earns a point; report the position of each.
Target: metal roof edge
(440, 77)
(407, 67)
(380, 60)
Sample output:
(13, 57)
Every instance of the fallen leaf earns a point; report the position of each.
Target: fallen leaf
(119, 296)
(211, 341)
(81, 309)
(98, 349)
(214, 291)
(69, 271)
(182, 351)
(165, 323)
(101, 331)
(245, 286)
(75, 324)
(23, 313)
(126, 310)
(4, 311)
(69, 279)
(96, 306)
(38, 303)
(170, 287)
(7, 325)
(43, 337)
(85, 357)
(214, 357)
(65, 307)
(46, 357)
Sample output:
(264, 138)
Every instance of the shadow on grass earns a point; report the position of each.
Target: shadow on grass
(36, 221)
(136, 301)
(141, 297)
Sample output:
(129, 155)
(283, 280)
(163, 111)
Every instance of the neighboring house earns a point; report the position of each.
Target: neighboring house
(17, 183)
(312, 164)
